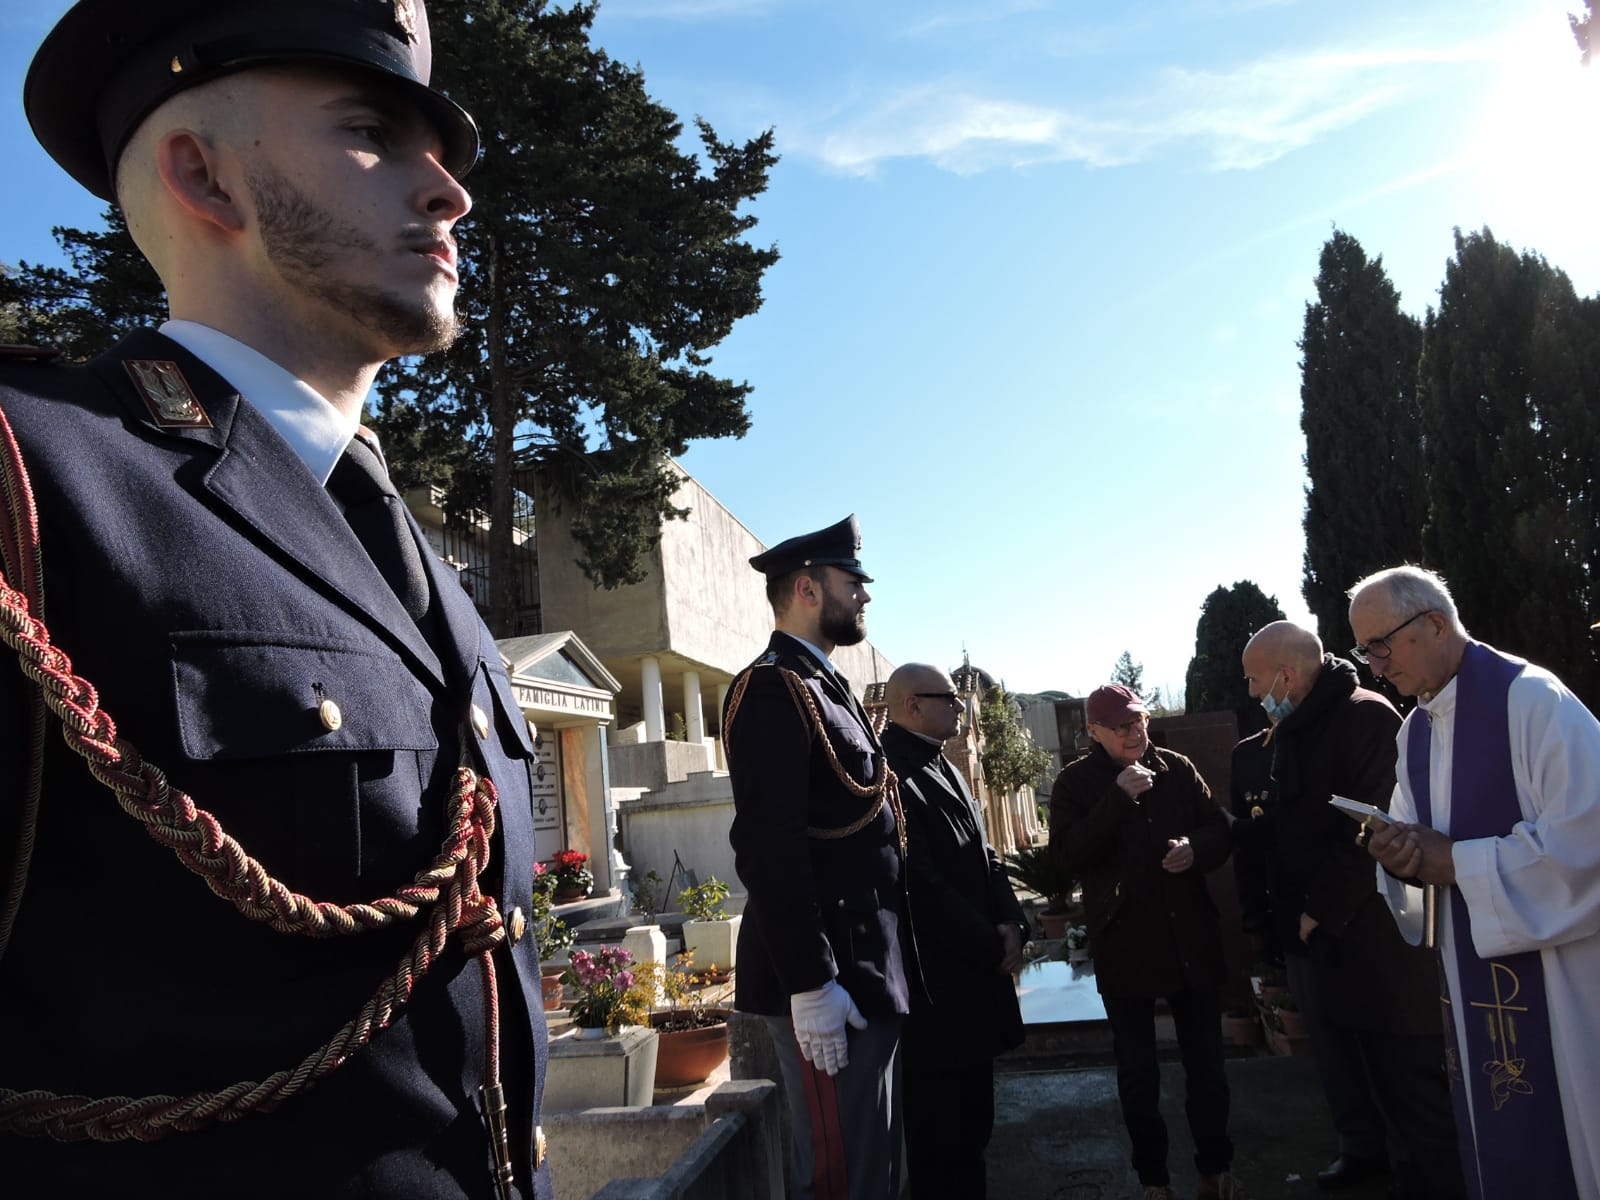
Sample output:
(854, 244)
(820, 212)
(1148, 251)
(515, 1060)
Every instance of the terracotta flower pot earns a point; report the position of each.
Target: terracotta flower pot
(568, 895)
(1053, 924)
(550, 987)
(688, 1056)
(1241, 1031)
(1293, 1022)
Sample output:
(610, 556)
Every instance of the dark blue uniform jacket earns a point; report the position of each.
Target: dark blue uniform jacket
(207, 584)
(818, 908)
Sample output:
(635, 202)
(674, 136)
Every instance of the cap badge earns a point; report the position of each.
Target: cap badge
(167, 394)
(405, 16)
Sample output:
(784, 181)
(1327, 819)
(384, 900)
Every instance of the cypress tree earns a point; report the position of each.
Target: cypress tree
(1358, 410)
(1215, 679)
(1509, 382)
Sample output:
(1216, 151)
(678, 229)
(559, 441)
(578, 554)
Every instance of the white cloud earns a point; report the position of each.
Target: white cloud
(960, 133)
(987, 14)
(1236, 119)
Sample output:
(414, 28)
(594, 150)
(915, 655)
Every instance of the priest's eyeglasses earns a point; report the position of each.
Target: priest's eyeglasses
(1379, 647)
(949, 698)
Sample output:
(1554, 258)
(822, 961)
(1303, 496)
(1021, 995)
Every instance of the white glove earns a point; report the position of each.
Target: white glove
(820, 1016)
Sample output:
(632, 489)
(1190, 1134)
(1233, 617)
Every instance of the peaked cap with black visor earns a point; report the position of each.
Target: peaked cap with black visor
(108, 64)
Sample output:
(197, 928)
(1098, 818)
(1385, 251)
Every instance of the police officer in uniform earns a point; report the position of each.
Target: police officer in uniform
(818, 842)
(318, 980)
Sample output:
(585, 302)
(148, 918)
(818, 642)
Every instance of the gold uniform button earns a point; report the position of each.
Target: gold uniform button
(480, 721)
(330, 716)
(1256, 810)
(518, 925)
(540, 1149)
(841, 902)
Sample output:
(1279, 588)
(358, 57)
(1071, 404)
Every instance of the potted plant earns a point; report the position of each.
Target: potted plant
(694, 1037)
(1288, 1017)
(1077, 943)
(611, 1059)
(647, 897)
(709, 933)
(574, 880)
(1035, 870)
(1270, 982)
(551, 934)
(611, 993)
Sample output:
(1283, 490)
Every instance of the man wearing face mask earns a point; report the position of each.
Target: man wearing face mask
(1368, 998)
(1139, 824)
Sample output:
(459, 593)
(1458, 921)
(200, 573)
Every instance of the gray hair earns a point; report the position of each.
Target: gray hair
(1414, 590)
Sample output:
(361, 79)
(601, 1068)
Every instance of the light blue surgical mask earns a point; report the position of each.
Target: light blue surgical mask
(1276, 710)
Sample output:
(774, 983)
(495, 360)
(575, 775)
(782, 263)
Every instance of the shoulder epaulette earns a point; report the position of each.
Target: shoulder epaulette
(36, 354)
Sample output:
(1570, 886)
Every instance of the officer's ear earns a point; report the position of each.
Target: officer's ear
(808, 589)
(190, 167)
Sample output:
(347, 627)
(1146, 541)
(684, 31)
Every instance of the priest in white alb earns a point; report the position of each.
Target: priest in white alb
(1496, 813)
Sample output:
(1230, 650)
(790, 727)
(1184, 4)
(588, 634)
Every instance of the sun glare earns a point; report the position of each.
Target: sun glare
(1534, 149)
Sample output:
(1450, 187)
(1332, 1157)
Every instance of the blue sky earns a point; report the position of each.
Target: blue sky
(1045, 265)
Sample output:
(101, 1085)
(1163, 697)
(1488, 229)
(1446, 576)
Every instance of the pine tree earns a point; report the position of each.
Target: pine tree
(1358, 410)
(1509, 385)
(109, 292)
(600, 264)
(1129, 673)
(1215, 680)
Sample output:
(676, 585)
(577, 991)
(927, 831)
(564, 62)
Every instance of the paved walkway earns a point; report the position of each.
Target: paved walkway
(1059, 1136)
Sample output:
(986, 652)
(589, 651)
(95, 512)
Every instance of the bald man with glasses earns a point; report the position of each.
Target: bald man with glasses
(969, 930)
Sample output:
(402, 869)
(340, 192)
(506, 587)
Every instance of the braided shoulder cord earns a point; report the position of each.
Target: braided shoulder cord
(446, 892)
(19, 560)
(885, 790)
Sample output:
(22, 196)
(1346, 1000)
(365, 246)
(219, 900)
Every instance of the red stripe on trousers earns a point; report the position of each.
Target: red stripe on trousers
(828, 1178)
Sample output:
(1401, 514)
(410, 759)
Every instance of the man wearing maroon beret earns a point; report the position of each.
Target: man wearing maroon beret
(1139, 825)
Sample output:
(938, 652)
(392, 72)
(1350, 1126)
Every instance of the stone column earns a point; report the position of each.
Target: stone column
(655, 722)
(693, 714)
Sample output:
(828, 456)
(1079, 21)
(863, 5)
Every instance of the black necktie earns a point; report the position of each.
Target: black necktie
(378, 517)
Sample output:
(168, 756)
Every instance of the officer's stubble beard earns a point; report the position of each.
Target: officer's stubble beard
(838, 624)
(303, 238)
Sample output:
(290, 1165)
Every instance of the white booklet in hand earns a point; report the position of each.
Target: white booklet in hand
(1358, 811)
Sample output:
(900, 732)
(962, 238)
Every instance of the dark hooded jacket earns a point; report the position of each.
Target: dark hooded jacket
(1340, 741)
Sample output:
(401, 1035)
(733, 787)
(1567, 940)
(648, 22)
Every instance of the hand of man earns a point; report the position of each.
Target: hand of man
(1011, 959)
(1308, 924)
(1414, 852)
(1180, 855)
(820, 1017)
(1136, 780)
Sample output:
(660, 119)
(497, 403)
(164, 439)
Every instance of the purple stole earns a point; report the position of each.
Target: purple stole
(1518, 1142)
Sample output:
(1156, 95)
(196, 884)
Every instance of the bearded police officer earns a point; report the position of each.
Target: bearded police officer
(317, 979)
(817, 841)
